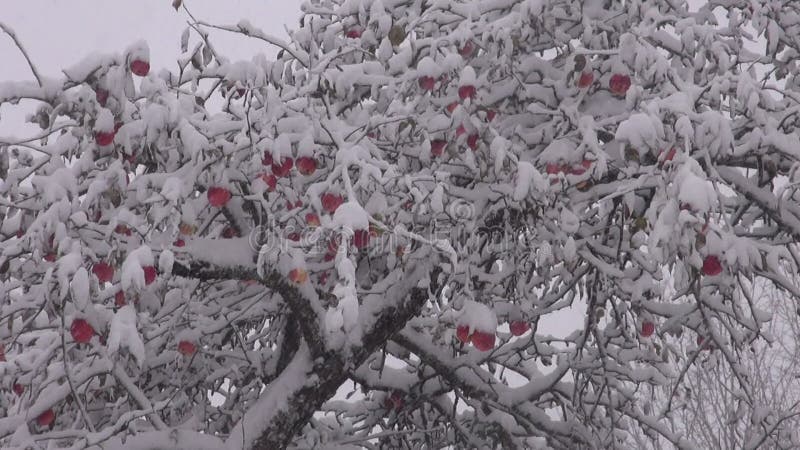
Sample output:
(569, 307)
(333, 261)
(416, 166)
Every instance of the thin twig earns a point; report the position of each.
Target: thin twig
(13, 36)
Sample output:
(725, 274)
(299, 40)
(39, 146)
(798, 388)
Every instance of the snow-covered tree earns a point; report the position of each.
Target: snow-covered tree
(365, 241)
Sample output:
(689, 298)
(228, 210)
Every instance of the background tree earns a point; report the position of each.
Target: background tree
(392, 211)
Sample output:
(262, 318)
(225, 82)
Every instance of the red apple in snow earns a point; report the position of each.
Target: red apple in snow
(18, 389)
(619, 84)
(437, 147)
(361, 238)
(270, 180)
(81, 331)
(283, 168)
(46, 418)
(585, 80)
(267, 159)
(101, 95)
(552, 168)
(103, 271)
(179, 243)
(229, 232)
(460, 130)
(331, 201)
(466, 91)
(670, 154)
(50, 257)
(472, 141)
(186, 229)
(483, 341)
(580, 169)
(312, 220)
(119, 299)
(452, 107)
(462, 333)
(218, 196)
(298, 276)
(712, 266)
(467, 50)
(187, 348)
(306, 165)
(518, 327)
(140, 68)
(394, 401)
(490, 115)
(103, 138)
(123, 229)
(427, 83)
(648, 328)
(353, 33)
(149, 274)
(293, 236)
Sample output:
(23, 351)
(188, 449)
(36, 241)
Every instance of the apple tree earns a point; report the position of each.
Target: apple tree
(424, 224)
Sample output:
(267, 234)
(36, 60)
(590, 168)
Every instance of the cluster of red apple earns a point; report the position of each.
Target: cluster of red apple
(618, 84)
(137, 67)
(465, 92)
(485, 340)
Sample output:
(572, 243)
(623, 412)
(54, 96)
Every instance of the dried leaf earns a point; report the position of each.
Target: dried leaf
(176, 4)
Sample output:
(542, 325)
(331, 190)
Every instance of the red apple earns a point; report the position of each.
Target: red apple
(466, 91)
(50, 257)
(472, 141)
(293, 236)
(18, 389)
(519, 327)
(312, 220)
(101, 95)
(267, 159)
(460, 130)
(712, 266)
(619, 84)
(103, 271)
(119, 299)
(483, 341)
(353, 33)
(123, 229)
(361, 238)
(179, 243)
(467, 50)
(81, 331)
(330, 202)
(490, 115)
(46, 418)
(104, 138)
(186, 229)
(437, 147)
(669, 155)
(229, 232)
(426, 83)
(149, 274)
(552, 168)
(298, 276)
(283, 168)
(648, 328)
(462, 333)
(585, 80)
(452, 107)
(218, 196)
(187, 348)
(270, 180)
(394, 401)
(580, 169)
(306, 165)
(140, 68)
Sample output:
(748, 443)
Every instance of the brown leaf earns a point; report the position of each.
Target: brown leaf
(176, 4)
